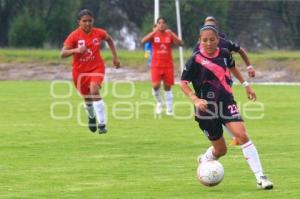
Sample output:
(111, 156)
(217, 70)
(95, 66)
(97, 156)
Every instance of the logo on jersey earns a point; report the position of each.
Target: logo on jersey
(163, 47)
(156, 39)
(81, 43)
(225, 62)
(204, 62)
(96, 41)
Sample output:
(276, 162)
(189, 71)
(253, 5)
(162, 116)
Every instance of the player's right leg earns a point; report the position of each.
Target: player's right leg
(217, 150)
(156, 79)
(89, 108)
(212, 128)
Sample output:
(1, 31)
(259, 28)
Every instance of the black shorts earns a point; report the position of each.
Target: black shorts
(219, 112)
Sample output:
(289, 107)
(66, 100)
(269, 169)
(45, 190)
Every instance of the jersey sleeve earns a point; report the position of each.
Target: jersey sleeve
(232, 46)
(102, 34)
(230, 61)
(188, 73)
(70, 42)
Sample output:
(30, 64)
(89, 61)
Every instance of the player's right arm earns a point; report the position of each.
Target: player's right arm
(68, 51)
(188, 75)
(148, 37)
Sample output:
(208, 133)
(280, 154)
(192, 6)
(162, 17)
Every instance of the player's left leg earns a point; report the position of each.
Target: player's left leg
(168, 83)
(169, 99)
(250, 153)
(99, 106)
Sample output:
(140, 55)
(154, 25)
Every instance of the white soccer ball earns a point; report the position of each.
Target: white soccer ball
(210, 173)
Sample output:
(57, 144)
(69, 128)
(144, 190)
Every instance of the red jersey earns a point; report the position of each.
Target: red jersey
(91, 58)
(162, 49)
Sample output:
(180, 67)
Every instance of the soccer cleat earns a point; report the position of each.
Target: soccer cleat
(158, 108)
(264, 183)
(92, 124)
(169, 112)
(102, 129)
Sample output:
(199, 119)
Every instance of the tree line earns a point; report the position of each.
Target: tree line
(255, 24)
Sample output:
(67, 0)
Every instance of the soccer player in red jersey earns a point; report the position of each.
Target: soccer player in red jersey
(162, 67)
(88, 66)
(208, 71)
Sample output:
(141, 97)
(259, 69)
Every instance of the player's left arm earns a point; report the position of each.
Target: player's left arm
(175, 38)
(249, 90)
(250, 68)
(116, 61)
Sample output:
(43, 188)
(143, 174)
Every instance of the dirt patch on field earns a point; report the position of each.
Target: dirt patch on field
(34, 71)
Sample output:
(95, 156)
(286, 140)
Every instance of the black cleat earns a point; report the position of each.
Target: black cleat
(102, 129)
(92, 124)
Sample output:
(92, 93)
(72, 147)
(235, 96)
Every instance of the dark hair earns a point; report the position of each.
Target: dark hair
(159, 18)
(209, 27)
(84, 12)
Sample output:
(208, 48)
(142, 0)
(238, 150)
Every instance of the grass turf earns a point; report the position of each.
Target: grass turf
(142, 156)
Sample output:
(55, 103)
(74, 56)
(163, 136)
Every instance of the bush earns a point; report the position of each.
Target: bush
(27, 31)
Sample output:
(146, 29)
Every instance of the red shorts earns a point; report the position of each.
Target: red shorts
(83, 80)
(165, 74)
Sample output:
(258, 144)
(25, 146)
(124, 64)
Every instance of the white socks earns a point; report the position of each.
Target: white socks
(89, 110)
(208, 155)
(252, 157)
(100, 111)
(169, 100)
(156, 94)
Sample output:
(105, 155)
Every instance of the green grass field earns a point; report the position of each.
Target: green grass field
(135, 59)
(48, 154)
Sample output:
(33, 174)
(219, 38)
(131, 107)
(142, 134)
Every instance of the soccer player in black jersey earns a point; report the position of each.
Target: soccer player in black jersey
(233, 47)
(208, 71)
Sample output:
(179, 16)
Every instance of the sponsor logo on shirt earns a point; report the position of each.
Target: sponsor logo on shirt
(81, 43)
(204, 62)
(96, 41)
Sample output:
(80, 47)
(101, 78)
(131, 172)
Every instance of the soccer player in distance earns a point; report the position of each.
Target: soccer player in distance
(88, 66)
(162, 67)
(208, 71)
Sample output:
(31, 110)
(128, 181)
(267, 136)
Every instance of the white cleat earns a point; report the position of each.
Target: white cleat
(264, 183)
(169, 112)
(158, 108)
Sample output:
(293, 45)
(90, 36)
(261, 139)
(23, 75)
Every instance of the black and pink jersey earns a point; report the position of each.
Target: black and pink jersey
(210, 75)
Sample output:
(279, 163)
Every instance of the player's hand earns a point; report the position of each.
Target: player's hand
(81, 49)
(116, 62)
(250, 93)
(200, 104)
(251, 71)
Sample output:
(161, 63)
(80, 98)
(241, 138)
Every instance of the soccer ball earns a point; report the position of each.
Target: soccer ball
(210, 173)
